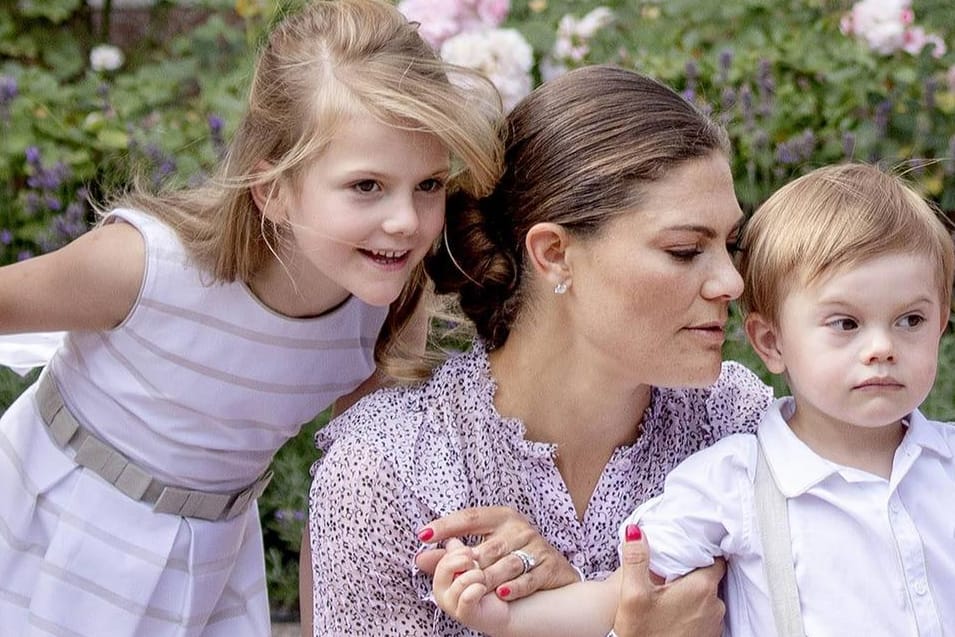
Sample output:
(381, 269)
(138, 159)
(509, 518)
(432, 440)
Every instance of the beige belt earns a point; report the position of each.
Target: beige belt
(104, 460)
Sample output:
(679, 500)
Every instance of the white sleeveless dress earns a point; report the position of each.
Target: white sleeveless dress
(200, 385)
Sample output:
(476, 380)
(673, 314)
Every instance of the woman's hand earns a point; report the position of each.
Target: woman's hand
(686, 607)
(502, 530)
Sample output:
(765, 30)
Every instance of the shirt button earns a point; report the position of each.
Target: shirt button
(894, 507)
(920, 587)
(579, 560)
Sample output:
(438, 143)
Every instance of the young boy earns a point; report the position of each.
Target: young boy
(836, 517)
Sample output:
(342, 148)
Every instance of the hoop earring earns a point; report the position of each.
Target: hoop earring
(561, 287)
(447, 246)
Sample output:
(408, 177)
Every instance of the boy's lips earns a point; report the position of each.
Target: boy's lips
(879, 382)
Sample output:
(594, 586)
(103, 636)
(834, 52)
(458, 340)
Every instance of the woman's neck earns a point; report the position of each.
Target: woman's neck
(564, 399)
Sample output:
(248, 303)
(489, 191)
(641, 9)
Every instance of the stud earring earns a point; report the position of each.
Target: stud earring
(561, 287)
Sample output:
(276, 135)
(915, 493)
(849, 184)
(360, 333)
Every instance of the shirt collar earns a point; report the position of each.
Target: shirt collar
(925, 434)
(797, 468)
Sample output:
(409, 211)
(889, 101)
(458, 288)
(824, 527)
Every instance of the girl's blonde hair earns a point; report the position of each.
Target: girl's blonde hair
(834, 218)
(320, 66)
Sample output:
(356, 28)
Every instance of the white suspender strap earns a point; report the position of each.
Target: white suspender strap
(772, 515)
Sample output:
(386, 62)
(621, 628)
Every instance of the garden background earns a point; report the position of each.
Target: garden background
(91, 90)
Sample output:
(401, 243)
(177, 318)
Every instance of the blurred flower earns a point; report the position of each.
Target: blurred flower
(106, 57)
(6, 237)
(8, 89)
(573, 41)
(441, 20)
(916, 39)
(885, 26)
(33, 155)
(503, 55)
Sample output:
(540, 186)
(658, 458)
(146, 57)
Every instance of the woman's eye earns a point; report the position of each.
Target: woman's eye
(911, 320)
(431, 185)
(368, 185)
(685, 255)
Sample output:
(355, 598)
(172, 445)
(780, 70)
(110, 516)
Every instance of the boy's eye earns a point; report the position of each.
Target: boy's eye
(367, 185)
(843, 324)
(911, 320)
(431, 185)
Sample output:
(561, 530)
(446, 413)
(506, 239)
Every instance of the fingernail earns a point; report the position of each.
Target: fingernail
(633, 533)
(503, 591)
(426, 534)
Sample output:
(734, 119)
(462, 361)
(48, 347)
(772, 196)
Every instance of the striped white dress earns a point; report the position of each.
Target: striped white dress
(200, 385)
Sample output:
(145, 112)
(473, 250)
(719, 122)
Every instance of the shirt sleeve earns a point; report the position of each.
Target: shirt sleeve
(363, 545)
(705, 510)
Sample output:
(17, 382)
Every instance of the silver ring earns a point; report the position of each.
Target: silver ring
(527, 560)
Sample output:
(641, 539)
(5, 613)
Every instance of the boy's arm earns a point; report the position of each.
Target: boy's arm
(580, 609)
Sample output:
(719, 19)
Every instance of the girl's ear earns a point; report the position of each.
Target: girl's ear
(267, 196)
(764, 337)
(546, 245)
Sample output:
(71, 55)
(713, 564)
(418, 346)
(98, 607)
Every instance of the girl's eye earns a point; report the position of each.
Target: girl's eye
(734, 247)
(431, 185)
(843, 324)
(911, 320)
(367, 185)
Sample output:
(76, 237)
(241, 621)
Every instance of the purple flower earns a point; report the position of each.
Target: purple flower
(848, 144)
(8, 89)
(33, 155)
(215, 124)
(24, 255)
(725, 62)
(6, 237)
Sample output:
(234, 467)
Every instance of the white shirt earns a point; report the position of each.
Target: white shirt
(873, 557)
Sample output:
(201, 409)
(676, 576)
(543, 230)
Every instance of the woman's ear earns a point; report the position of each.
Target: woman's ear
(764, 337)
(546, 245)
(267, 195)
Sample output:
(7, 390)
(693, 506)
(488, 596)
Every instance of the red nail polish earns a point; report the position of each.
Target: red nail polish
(633, 533)
(425, 534)
(503, 592)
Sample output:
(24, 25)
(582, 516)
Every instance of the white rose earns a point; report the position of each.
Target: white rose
(503, 55)
(105, 57)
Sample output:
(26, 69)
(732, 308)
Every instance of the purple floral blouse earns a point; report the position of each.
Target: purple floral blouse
(402, 457)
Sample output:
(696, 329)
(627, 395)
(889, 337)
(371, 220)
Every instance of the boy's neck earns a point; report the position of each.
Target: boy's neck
(870, 449)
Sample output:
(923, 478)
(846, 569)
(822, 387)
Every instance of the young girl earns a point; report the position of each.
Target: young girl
(205, 326)
(836, 517)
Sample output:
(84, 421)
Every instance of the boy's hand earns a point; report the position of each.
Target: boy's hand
(460, 591)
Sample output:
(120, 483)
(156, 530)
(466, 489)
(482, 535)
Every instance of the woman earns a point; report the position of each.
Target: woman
(598, 274)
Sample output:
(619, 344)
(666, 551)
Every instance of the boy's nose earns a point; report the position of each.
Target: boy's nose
(879, 348)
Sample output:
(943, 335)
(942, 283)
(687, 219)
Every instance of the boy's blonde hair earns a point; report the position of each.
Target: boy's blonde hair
(835, 218)
(319, 67)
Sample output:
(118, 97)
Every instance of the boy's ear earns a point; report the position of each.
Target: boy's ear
(267, 196)
(764, 337)
(546, 245)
